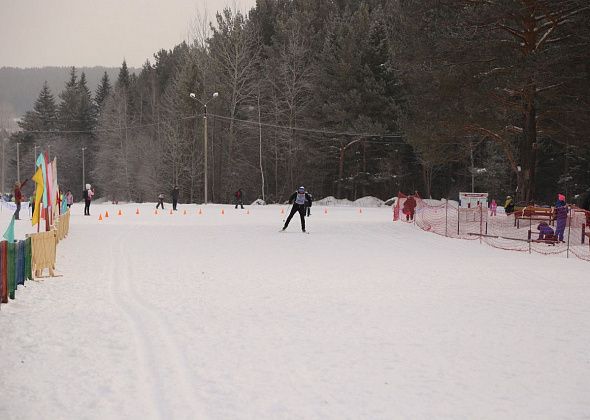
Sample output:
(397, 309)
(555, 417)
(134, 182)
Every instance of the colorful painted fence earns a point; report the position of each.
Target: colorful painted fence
(26, 259)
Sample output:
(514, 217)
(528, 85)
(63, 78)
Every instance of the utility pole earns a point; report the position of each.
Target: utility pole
(4, 141)
(83, 170)
(17, 162)
(205, 187)
(472, 168)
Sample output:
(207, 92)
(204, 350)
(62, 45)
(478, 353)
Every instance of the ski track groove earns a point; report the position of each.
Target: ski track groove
(149, 376)
(175, 380)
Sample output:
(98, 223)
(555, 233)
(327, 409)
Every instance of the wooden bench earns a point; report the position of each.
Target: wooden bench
(534, 213)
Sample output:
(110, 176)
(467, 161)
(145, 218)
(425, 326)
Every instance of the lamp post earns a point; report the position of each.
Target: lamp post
(17, 162)
(83, 170)
(4, 141)
(215, 95)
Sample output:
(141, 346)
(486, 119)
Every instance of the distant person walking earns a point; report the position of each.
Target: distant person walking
(160, 201)
(300, 200)
(69, 198)
(493, 207)
(409, 208)
(18, 197)
(239, 196)
(175, 193)
(88, 195)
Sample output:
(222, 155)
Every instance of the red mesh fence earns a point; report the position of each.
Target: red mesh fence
(514, 232)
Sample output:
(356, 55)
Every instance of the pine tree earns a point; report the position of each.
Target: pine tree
(43, 117)
(86, 112)
(102, 93)
(68, 108)
(124, 79)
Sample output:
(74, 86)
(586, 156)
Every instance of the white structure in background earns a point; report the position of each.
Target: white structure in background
(474, 206)
(473, 200)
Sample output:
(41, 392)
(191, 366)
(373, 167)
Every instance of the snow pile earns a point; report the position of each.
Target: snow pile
(344, 202)
(390, 201)
(369, 202)
(259, 202)
(332, 201)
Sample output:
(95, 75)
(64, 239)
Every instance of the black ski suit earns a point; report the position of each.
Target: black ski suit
(297, 207)
(174, 194)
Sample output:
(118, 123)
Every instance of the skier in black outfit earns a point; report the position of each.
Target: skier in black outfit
(300, 200)
(239, 196)
(174, 194)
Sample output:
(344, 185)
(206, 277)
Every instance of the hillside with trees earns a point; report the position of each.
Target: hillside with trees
(347, 97)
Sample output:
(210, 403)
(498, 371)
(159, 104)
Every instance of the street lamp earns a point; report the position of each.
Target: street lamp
(17, 162)
(193, 96)
(4, 141)
(83, 171)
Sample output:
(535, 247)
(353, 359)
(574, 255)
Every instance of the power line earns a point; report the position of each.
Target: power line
(309, 130)
(104, 130)
(255, 124)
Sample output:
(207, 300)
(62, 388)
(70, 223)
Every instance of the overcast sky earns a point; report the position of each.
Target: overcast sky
(36, 33)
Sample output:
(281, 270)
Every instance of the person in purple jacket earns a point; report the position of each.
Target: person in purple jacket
(544, 230)
(561, 211)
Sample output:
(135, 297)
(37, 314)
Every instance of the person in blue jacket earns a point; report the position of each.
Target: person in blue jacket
(561, 212)
(544, 230)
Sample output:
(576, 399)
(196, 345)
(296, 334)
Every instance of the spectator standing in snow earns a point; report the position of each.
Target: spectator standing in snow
(31, 204)
(544, 230)
(239, 196)
(160, 201)
(309, 205)
(300, 200)
(18, 197)
(561, 212)
(69, 198)
(88, 194)
(409, 208)
(493, 207)
(174, 194)
(509, 205)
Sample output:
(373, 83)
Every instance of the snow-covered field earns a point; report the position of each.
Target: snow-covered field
(217, 316)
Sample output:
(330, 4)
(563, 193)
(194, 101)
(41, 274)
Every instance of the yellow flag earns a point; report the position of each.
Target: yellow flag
(38, 178)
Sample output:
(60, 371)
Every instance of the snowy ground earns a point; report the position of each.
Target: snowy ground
(222, 317)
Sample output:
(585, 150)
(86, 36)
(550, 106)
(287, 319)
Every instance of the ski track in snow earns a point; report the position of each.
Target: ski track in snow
(220, 317)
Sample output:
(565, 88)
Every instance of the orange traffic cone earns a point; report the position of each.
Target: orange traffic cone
(137, 211)
(361, 211)
(156, 211)
(248, 212)
(100, 216)
(120, 213)
(200, 212)
(325, 211)
(184, 213)
(222, 211)
(106, 214)
(282, 211)
(170, 211)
